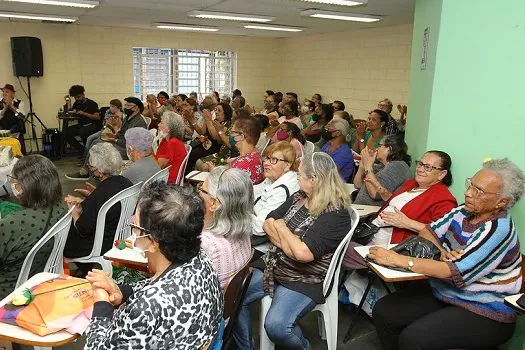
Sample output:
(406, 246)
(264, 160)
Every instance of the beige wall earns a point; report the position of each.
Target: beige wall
(100, 58)
(358, 67)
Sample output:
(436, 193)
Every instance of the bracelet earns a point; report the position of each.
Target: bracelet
(369, 171)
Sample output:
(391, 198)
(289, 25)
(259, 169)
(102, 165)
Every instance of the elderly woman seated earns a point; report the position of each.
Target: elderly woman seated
(138, 147)
(180, 306)
(462, 307)
(305, 231)
(227, 220)
(171, 150)
(104, 164)
(36, 186)
(280, 182)
(337, 135)
(418, 202)
(377, 182)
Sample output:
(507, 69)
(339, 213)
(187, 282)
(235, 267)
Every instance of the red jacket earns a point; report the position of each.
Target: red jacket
(425, 208)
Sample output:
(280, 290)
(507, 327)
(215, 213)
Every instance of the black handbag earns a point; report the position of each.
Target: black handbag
(365, 230)
(418, 247)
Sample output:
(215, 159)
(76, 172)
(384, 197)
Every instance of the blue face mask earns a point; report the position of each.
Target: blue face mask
(232, 140)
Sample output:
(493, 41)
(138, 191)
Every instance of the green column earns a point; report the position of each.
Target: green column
(469, 97)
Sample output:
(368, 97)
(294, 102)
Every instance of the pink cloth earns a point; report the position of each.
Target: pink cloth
(252, 164)
(227, 255)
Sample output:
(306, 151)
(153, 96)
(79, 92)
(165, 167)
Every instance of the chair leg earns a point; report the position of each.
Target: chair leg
(321, 323)
(265, 342)
(348, 335)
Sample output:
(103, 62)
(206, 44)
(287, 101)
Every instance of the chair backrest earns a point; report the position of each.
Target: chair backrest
(233, 297)
(309, 147)
(265, 146)
(161, 175)
(54, 263)
(128, 199)
(522, 273)
(147, 120)
(182, 168)
(335, 265)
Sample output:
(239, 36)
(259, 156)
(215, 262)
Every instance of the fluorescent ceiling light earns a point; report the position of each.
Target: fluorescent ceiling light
(71, 3)
(230, 16)
(356, 17)
(275, 28)
(185, 27)
(340, 2)
(37, 17)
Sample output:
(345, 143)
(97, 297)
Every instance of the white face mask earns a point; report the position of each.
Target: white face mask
(162, 135)
(133, 239)
(304, 109)
(128, 153)
(16, 193)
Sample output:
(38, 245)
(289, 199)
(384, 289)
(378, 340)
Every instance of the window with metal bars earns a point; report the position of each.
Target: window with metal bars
(182, 71)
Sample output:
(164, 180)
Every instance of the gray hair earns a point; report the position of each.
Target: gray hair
(105, 158)
(511, 176)
(343, 126)
(227, 99)
(139, 138)
(174, 123)
(234, 190)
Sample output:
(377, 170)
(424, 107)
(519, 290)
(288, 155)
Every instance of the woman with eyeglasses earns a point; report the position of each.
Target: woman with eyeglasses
(180, 306)
(305, 232)
(228, 208)
(36, 187)
(463, 305)
(280, 182)
(382, 171)
(418, 202)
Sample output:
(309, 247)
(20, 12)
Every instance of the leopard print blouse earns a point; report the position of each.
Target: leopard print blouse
(182, 309)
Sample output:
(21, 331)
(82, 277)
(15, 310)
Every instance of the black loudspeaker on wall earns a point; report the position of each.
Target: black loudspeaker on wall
(27, 56)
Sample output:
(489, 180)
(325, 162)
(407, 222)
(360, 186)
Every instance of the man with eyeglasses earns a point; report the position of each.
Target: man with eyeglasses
(480, 266)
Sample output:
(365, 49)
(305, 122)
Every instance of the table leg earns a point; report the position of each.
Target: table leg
(359, 308)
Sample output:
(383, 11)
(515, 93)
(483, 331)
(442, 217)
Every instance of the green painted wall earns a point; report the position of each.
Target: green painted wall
(469, 100)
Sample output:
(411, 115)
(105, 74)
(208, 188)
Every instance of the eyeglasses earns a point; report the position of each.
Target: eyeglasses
(476, 191)
(273, 160)
(200, 189)
(236, 132)
(381, 145)
(428, 168)
(12, 178)
(135, 228)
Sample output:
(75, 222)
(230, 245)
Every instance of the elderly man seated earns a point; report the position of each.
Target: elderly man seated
(139, 151)
(462, 306)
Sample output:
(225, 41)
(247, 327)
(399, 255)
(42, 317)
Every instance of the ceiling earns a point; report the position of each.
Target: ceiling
(141, 13)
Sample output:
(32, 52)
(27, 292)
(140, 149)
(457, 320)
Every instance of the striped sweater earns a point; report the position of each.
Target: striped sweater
(490, 268)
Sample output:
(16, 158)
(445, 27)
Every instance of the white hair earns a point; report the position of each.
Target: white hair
(174, 123)
(343, 126)
(105, 158)
(511, 176)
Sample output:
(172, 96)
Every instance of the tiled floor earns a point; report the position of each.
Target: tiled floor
(364, 336)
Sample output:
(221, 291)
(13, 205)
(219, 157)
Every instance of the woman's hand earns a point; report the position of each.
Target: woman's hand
(87, 190)
(396, 218)
(206, 114)
(385, 257)
(104, 287)
(72, 200)
(360, 129)
(453, 255)
(368, 157)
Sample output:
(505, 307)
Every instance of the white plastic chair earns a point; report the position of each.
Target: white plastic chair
(147, 120)
(309, 147)
(162, 175)
(182, 169)
(128, 199)
(55, 262)
(330, 309)
(265, 146)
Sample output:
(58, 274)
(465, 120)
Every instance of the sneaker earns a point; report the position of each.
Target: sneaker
(77, 176)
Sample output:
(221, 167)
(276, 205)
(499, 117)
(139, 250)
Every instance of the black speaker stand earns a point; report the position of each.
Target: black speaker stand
(31, 116)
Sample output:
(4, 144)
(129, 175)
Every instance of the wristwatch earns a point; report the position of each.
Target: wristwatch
(220, 132)
(410, 264)
(362, 140)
